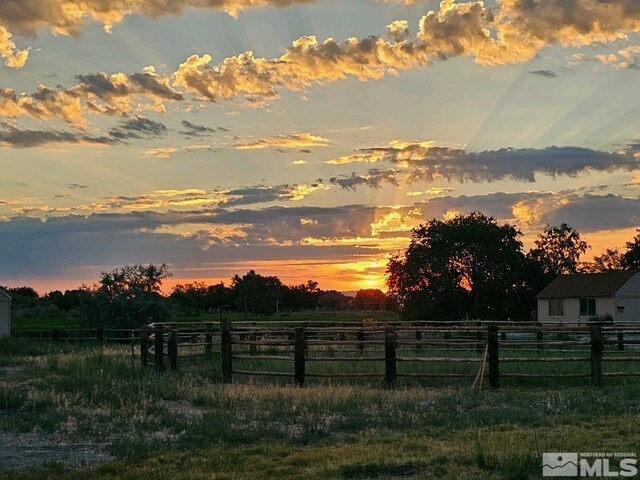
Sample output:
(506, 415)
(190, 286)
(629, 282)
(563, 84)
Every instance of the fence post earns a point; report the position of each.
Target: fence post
(418, 338)
(172, 350)
(144, 345)
(620, 340)
(539, 336)
(596, 355)
(100, 336)
(390, 357)
(299, 356)
(361, 339)
(208, 338)
(158, 332)
(225, 349)
(253, 348)
(479, 345)
(494, 358)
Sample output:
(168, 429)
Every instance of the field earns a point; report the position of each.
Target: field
(87, 412)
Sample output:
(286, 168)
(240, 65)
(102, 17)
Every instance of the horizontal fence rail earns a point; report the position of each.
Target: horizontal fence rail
(392, 353)
(434, 351)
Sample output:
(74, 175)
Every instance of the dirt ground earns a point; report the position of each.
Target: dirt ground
(34, 449)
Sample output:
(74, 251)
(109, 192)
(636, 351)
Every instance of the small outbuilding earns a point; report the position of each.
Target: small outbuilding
(5, 314)
(577, 298)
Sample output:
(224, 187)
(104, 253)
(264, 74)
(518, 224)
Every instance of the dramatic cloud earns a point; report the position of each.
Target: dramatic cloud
(67, 17)
(210, 236)
(116, 94)
(373, 179)
(423, 161)
(12, 136)
(512, 31)
(13, 57)
(294, 140)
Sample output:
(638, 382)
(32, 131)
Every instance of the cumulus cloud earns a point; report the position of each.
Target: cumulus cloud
(116, 94)
(626, 58)
(13, 57)
(294, 140)
(510, 31)
(68, 17)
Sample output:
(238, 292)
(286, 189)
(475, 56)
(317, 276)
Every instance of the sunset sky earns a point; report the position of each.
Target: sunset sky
(305, 138)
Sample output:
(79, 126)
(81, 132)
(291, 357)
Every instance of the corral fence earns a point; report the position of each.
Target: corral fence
(393, 353)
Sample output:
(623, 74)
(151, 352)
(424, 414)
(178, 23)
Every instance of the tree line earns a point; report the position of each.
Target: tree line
(470, 266)
(131, 295)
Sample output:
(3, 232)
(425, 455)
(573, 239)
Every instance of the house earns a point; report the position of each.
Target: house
(579, 297)
(5, 314)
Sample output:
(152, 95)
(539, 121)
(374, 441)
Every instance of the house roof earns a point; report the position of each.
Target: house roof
(4, 295)
(587, 285)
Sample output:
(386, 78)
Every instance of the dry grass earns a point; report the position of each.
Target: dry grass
(190, 426)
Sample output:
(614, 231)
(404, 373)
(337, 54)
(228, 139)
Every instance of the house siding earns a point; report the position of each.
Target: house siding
(629, 297)
(604, 306)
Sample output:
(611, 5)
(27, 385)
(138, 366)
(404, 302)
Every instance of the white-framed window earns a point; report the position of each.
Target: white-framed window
(556, 307)
(587, 307)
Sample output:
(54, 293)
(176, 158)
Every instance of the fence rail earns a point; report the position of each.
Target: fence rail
(437, 351)
(391, 352)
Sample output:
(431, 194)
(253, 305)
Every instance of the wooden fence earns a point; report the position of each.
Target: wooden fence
(391, 353)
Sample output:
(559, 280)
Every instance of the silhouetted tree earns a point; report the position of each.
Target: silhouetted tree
(631, 258)
(333, 300)
(129, 296)
(370, 299)
(467, 266)
(558, 250)
(196, 297)
(608, 261)
(258, 294)
(301, 297)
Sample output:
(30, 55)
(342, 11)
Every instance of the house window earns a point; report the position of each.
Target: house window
(587, 307)
(556, 307)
